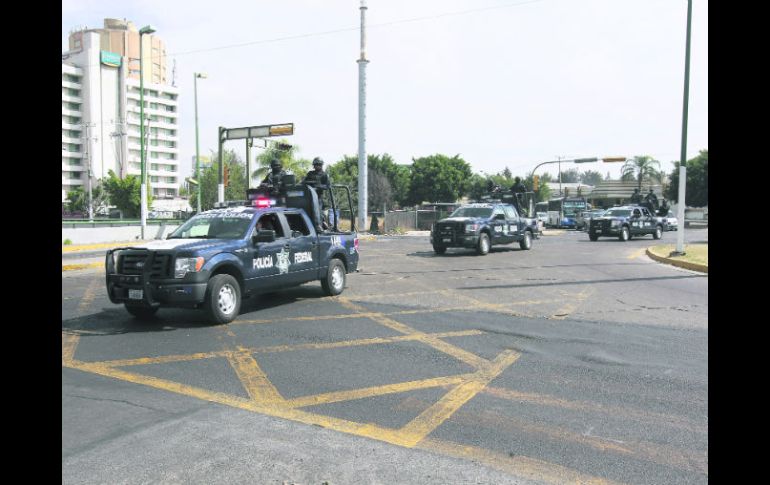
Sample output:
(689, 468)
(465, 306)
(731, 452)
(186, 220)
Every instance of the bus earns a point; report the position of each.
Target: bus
(563, 211)
(541, 212)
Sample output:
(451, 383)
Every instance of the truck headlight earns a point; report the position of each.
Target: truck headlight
(182, 266)
(471, 227)
(615, 223)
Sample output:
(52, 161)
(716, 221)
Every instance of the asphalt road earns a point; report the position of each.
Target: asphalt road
(573, 362)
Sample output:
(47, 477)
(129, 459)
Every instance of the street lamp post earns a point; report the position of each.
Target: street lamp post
(143, 187)
(682, 193)
(201, 75)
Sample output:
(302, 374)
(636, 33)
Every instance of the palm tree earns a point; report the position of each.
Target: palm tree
(640, 167)
(286, 154)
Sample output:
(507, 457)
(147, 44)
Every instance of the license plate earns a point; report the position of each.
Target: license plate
(135, 294)
(447, 239)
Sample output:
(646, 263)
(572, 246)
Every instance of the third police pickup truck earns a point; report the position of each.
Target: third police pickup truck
(481, 226)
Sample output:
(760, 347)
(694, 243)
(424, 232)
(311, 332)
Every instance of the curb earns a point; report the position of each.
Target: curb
(681, 264)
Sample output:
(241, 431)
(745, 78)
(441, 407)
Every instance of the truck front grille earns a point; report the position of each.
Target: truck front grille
(133, 262)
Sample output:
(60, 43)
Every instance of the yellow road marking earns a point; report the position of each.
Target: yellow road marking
(254, 380)
(282, 348)
(87, 247)
(72, 267)
(431, 418)
(68, 345)
(520, 466)
(340, 396)
(88, 295)
(637, 254)
(573, 303)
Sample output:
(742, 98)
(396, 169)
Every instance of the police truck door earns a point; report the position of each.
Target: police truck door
(269, 263)
(304, 248)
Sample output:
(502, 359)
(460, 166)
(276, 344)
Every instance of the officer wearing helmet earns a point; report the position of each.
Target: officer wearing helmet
(274, 179)
(317, 177)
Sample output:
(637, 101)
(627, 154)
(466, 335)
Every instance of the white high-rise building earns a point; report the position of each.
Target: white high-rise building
(100, 110)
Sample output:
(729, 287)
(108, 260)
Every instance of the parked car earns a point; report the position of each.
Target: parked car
(671, 221)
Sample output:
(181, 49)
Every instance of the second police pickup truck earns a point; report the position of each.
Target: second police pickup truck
(218, 257)
(481, 226)
(626, 222)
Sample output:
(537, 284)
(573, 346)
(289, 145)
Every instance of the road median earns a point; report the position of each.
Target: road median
(695, 257)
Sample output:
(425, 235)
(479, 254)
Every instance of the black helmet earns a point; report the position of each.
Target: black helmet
(318, 161)
(276, 163)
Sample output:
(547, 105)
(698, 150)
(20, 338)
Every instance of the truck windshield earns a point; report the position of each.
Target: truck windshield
(214, 226)
(472, 212)
(617, 213)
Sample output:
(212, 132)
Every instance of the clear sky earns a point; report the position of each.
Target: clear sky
(499, 82)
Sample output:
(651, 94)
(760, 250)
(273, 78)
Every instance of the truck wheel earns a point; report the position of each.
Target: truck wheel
(439, 249)
(658, 233)
(625, 235)
(526, 243)
(142, 312)
(483, 246)
(223, 298)
(334, 282)
(593, 237)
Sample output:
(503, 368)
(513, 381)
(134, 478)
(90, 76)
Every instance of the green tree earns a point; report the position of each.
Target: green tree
(287, 154)
(570, 176)
(236, 184)
(125, 193)
(591, 177)
(439, 178)
(697, 186)
(345, 171)
(639, 168)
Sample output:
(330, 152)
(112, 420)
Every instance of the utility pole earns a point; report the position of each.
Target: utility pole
(88, 155)
(362, 162)
(683, 158)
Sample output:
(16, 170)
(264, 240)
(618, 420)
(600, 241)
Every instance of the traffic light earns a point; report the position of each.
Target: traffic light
(536, 183)
(613, 159)
(227, 175)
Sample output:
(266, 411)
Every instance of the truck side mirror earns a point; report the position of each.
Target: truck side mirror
(263, 235)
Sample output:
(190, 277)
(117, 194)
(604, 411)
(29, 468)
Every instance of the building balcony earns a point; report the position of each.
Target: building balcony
(71, 98)
(70, 84)
(71, 112)
(66, 153)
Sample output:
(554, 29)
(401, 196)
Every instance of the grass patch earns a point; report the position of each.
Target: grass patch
(694, 253)
(67, 242)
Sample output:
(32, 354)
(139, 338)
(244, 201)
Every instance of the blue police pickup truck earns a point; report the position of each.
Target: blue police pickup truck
(626, 222)
(220, 256)
(481, 226)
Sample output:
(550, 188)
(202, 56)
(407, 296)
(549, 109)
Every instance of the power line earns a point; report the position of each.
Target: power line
(346, 29)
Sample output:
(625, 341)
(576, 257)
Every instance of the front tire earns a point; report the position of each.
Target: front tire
(334, 282)
(482, 247)
(526, 243)
(223, 298)
(658, 233)
(593, 237)
(625, 235)
(439, 249)
(142, 312)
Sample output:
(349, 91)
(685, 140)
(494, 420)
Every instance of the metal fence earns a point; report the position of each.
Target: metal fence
(411, 220)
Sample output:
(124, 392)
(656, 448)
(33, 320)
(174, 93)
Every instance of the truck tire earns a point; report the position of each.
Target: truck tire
(482, 247)
(526, 243)
(334, 282)
(625, 234)
(223, 298)
(142, 312)
(593, 237)
(439, 249)
(658, 233)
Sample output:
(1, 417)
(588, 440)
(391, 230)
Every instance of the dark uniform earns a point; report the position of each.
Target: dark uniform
(636, 198)
(274, 179)
(652, 199)
(317, 178)
(664, 208)
(517, 188)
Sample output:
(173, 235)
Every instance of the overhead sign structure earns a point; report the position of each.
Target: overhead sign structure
(613, 159)
(264, 131)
